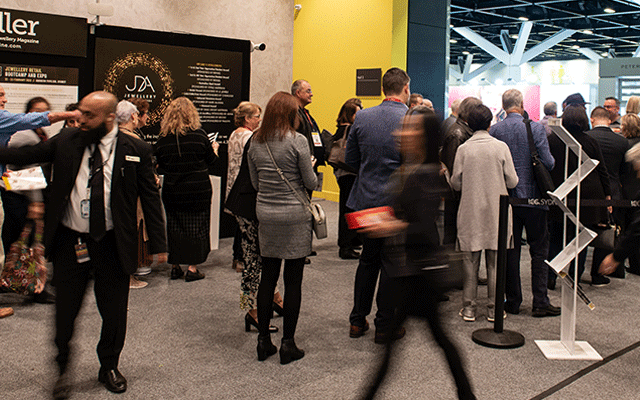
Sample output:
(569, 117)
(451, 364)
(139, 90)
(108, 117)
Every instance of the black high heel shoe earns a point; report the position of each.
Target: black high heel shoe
(265, 347)
(289, 351)
(278, 309)
(248, 321)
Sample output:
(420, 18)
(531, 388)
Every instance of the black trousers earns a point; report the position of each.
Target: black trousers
(417, 296)
(293, 271)
(111, 287)
(346, 236)
(369, 269)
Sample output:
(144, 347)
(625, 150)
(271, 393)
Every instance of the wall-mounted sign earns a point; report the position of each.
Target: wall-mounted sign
(614, 67)
(29, 32)
(368, 82)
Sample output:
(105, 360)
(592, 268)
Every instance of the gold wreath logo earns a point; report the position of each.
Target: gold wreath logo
(129, 60)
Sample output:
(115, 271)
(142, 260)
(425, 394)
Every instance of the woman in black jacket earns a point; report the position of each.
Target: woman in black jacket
(413, 256)
(185, 157)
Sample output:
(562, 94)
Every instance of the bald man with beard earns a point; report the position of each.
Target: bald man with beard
(90, 226)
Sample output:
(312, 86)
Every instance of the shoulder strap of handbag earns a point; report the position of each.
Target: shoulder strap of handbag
(295, 192)
(532, 146)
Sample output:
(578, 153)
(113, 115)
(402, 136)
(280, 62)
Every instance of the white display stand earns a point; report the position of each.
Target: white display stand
(567, 348)
(214, 223)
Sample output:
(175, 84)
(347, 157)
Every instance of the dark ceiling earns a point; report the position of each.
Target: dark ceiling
(619, 30)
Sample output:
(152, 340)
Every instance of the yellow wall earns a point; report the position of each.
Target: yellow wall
(334, 38)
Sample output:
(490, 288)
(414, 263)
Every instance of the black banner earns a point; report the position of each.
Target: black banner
(159, 73)
(29, 32)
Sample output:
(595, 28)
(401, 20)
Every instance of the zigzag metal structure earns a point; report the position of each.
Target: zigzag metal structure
(568, 348)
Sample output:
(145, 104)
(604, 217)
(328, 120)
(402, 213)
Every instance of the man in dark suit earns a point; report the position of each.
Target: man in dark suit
(301, 89)
(613, 147)
(90, 226)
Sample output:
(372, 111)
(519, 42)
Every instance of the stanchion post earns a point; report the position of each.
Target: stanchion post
(498, 337)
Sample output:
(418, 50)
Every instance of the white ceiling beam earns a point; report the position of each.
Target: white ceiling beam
(453, 71)
(484, 44)
(637, 52)
(590, 54)
(521, 43)
(546, 45)
(467, 67)
(478, 71)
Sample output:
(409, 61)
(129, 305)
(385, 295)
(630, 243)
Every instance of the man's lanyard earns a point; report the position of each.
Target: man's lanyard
(397, 100)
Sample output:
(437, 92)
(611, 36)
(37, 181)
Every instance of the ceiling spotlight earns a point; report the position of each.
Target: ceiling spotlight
(453, 41)
(465, 53)
(575, 46)
(523, 18)
(514, 36)
(609, 10)
(605, 54)
(588, 31)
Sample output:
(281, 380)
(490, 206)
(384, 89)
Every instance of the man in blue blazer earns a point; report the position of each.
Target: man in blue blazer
(372, 151)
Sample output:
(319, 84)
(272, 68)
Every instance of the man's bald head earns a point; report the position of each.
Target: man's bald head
(98, 108)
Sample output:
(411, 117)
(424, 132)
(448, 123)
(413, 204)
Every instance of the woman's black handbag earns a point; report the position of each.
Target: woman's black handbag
(541, 173)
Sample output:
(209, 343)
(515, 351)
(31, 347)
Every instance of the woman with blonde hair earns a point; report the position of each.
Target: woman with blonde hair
(280, 158)
(633, 105)
(242, 205)
(185, 157)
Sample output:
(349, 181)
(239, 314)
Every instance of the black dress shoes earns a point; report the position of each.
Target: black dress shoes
(176, 272)
(113, 380)
(348, 254)
(44, 297)
(548, 311)
(193, 276)
(62, 388)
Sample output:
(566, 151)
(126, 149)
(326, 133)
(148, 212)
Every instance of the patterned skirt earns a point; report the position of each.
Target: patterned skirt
(188, 236)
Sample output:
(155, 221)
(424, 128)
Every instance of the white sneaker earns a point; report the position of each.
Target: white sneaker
(142, 271)
(491, 315)
(467, 314)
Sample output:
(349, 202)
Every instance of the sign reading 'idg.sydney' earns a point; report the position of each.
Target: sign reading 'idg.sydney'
(29, 32)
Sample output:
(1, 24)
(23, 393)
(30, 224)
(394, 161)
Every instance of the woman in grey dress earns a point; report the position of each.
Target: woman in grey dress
(284, 230)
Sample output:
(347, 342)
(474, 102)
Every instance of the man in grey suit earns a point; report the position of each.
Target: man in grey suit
(372, 151)
(613, 147)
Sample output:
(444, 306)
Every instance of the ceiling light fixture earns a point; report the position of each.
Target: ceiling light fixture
(609, 10)
(575, 46)
(453, 41)
(465, 53)
(523, 18)
(588, 31)
(514, 36)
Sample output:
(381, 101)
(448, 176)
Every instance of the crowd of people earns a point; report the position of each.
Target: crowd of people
(104, 216)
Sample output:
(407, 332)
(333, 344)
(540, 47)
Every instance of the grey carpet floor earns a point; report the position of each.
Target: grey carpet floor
(187, 341)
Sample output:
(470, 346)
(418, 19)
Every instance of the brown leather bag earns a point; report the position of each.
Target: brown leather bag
(337, 153)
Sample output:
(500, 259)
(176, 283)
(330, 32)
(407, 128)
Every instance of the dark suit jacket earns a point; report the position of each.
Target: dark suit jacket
(307, 126)
(132, 177)
(613, 147)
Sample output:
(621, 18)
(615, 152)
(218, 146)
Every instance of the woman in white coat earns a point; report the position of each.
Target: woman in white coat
(483, 170)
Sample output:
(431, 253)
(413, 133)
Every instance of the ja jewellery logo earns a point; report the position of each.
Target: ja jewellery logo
(144, 83)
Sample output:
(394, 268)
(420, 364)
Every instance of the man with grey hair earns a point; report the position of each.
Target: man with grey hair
(550, 111)
(301, 89)
(447, 123)
(513, 131)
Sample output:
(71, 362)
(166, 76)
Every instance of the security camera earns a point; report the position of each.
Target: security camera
(298, 7)
(259, 46)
